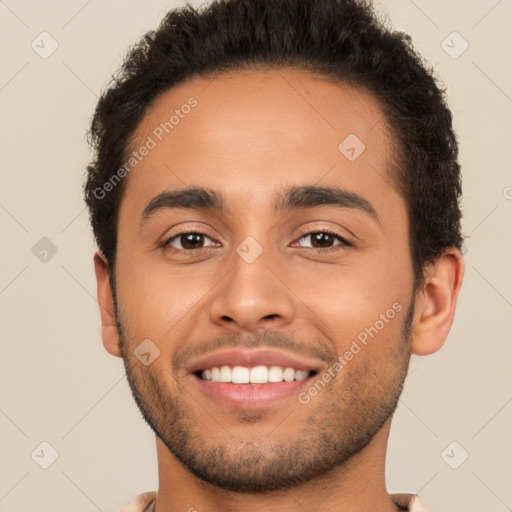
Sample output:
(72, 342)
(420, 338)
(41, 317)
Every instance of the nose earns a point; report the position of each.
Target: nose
(251, 296)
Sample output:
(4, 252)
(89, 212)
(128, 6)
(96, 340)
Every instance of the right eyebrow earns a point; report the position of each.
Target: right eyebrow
(194, 197)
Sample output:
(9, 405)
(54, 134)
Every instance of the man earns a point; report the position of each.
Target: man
(275, 197)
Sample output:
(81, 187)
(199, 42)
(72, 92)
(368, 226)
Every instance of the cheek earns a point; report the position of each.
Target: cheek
(359, 288)
(156, 300)
(360, 305)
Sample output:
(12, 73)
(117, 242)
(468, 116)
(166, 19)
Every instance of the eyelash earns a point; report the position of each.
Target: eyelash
(344, 242)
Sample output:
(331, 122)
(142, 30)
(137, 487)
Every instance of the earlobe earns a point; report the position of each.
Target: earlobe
(436, 303)
(109, 332)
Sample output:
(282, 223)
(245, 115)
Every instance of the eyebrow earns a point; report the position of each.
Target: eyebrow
(301, 197)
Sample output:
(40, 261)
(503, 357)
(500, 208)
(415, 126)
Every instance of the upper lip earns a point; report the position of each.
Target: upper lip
(254, 357)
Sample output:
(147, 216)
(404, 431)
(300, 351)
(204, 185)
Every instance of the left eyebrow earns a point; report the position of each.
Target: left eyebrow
(310, 196)
(292, 198)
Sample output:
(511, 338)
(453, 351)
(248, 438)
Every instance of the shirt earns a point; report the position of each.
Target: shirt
(146, 501)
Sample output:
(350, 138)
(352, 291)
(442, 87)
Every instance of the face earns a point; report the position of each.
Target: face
(295, 252)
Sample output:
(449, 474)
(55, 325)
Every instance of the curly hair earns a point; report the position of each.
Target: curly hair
(342, 40)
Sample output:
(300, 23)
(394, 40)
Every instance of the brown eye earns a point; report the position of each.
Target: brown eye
(188, 241)
(323, 239)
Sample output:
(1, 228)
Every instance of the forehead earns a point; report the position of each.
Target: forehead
(250, 133)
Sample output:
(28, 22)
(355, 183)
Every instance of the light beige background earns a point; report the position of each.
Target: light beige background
(58, 384)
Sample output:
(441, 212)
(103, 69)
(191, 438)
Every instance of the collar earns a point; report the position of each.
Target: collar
(145, 502)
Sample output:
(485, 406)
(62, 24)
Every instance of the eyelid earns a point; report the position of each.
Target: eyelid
(324, 229)
(184, 228)
(167, 239)
(344, 240)
(306, 232)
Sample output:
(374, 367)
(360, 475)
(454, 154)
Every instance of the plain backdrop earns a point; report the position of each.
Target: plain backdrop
(57, 383)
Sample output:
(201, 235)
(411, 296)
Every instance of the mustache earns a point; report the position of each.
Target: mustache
(263, 338)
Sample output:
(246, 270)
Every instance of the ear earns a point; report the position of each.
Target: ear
(109, 331)
(435, 303)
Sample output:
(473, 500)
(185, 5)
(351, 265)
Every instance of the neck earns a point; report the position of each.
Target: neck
(357, 486)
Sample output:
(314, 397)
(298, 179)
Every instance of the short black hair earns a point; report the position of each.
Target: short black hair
(343, 40)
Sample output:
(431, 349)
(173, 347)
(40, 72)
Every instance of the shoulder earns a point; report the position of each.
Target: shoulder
(409, 502)
(140, 503)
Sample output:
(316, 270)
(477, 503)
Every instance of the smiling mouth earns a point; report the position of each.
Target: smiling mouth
(252, 388)
(260, 374)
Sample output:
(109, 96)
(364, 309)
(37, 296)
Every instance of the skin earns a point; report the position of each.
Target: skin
(253, 134)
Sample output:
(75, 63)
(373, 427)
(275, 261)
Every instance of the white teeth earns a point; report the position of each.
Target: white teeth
(240, 375)
(259, 375)
(301, 374)
(275, 374)
(225, 374)
(289, 374)
(256, 375)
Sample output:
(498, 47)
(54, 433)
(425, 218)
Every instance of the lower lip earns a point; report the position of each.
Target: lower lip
(251, 396)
